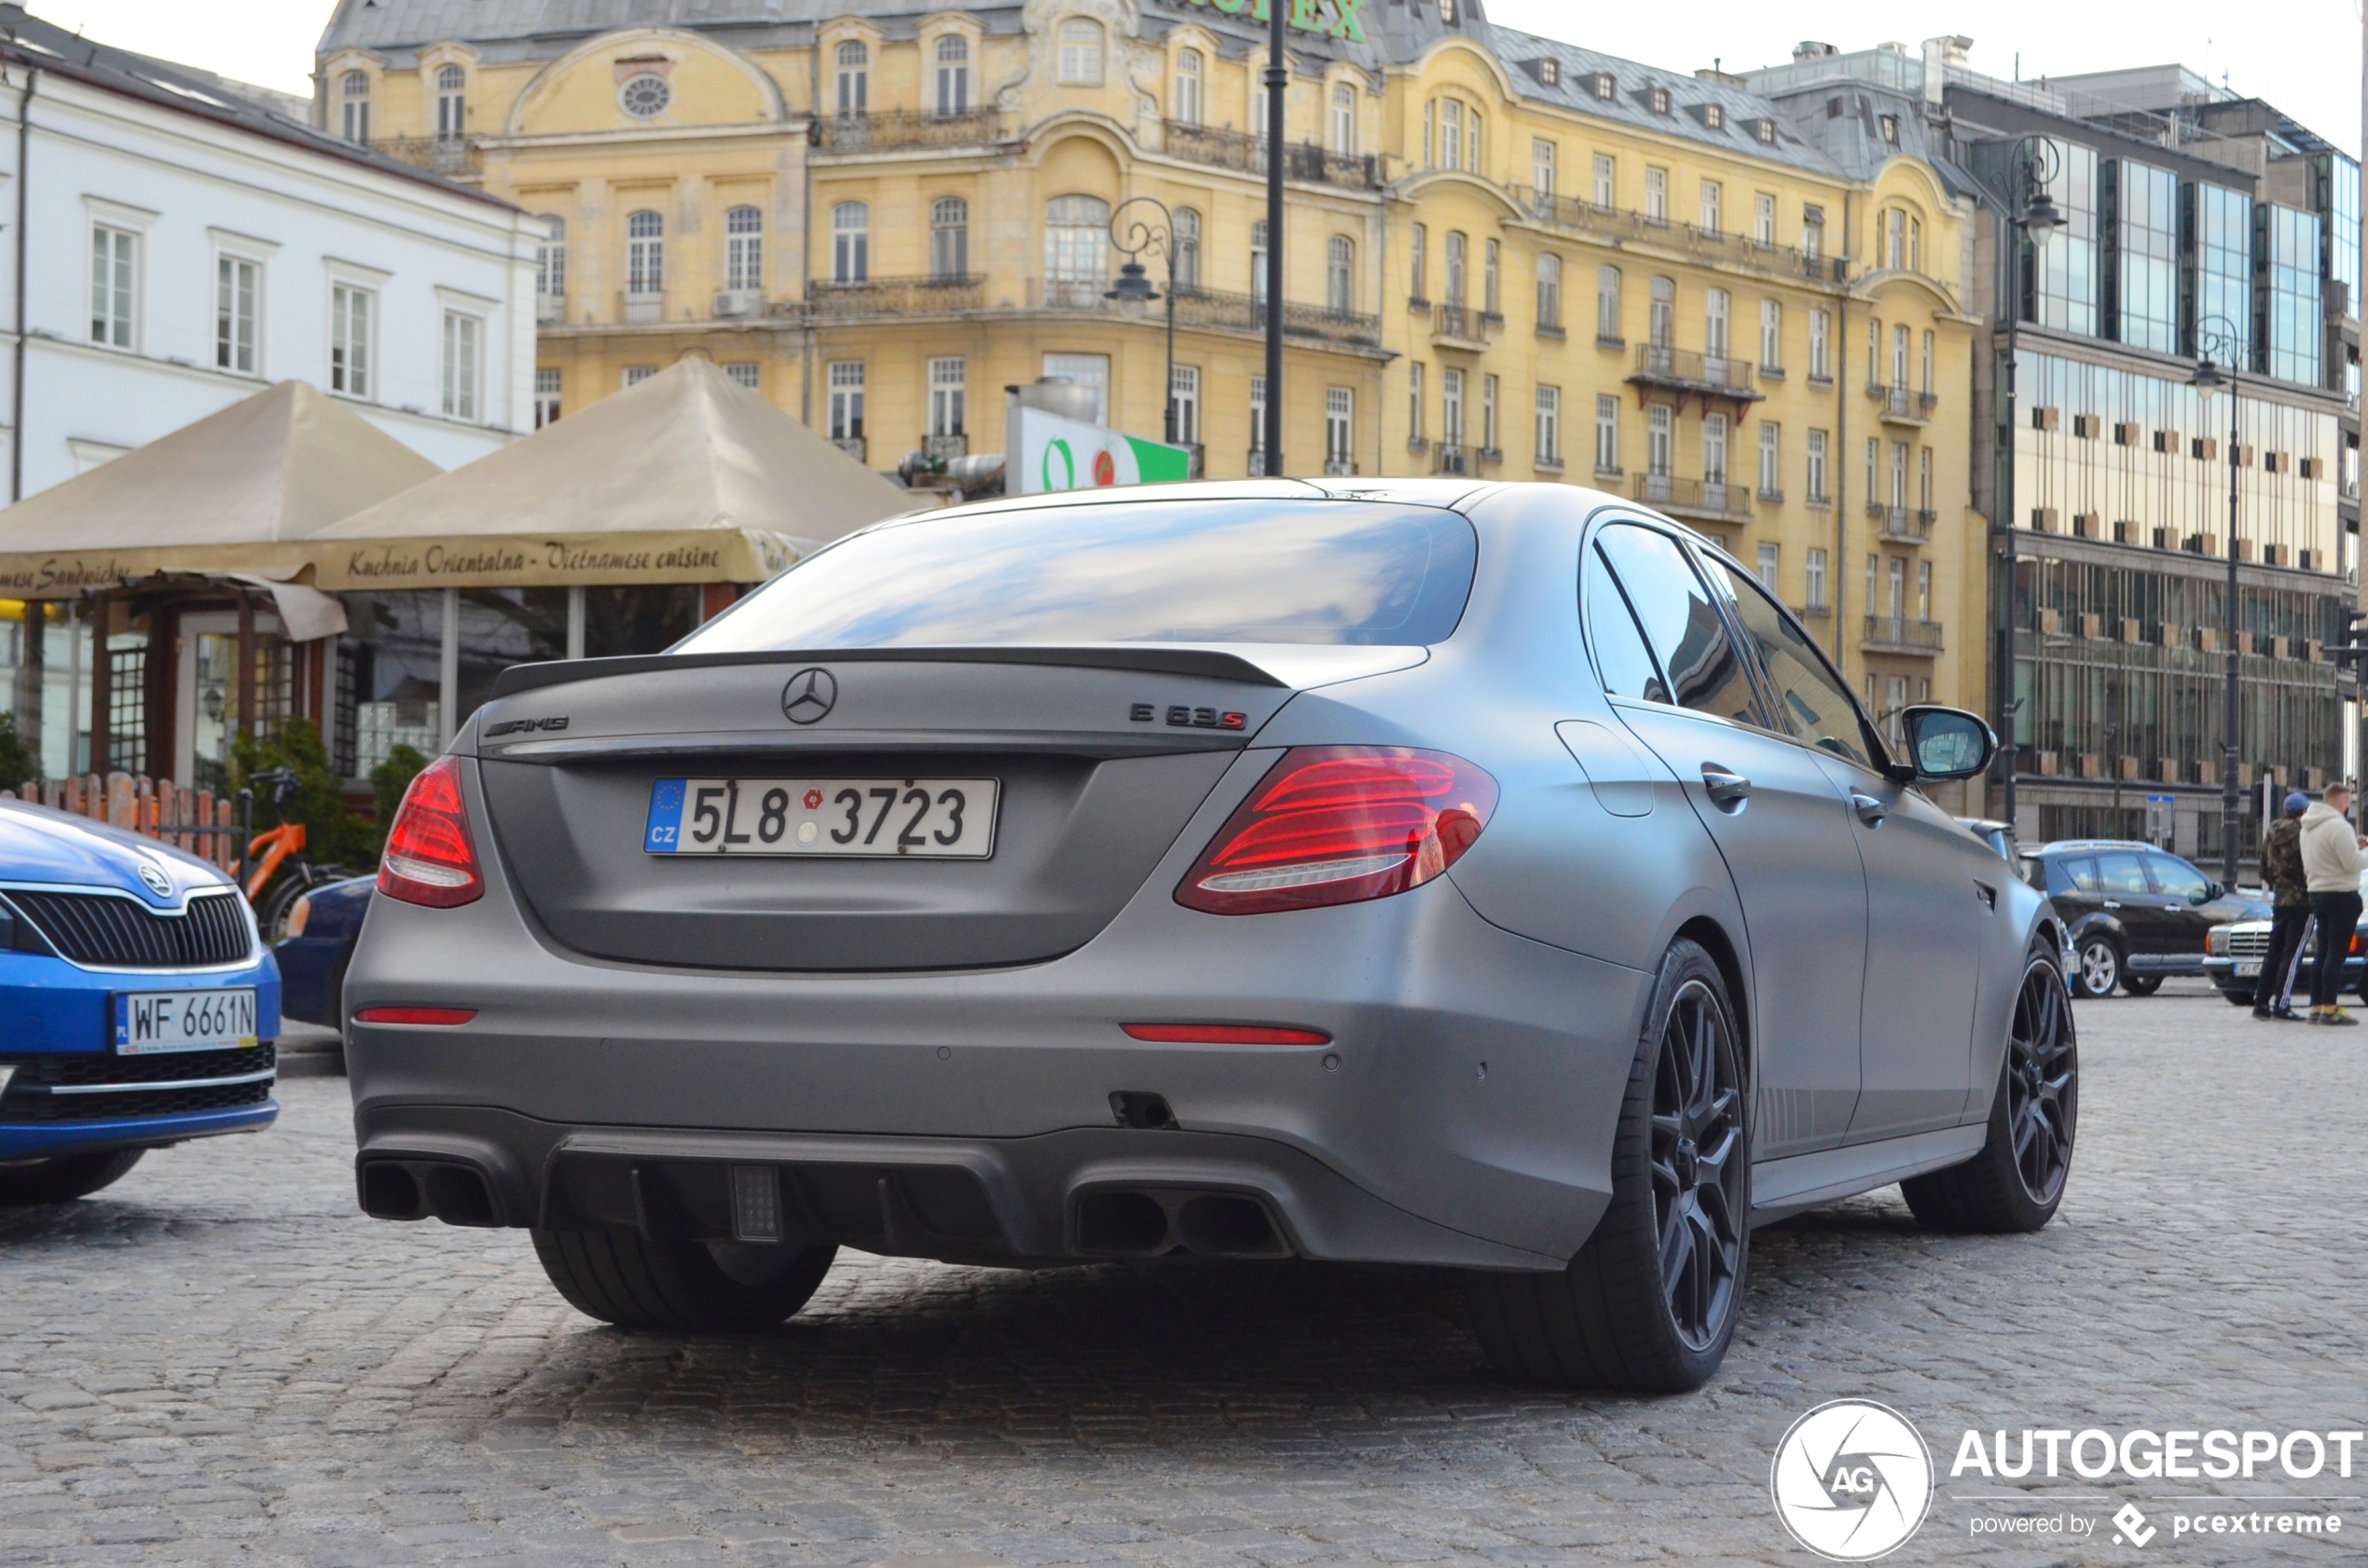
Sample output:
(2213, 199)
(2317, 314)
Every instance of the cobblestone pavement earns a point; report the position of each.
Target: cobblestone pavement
(219, 1360)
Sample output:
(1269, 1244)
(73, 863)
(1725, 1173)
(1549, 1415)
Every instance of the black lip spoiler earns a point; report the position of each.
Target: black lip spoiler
(1206, 663)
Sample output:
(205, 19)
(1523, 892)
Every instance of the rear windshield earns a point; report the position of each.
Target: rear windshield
(1263, 571)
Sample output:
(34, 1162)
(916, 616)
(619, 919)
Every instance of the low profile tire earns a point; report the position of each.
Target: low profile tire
(1650, 1301)
(680, 1287)
(2097, 966)
(2016, 1181)
(2141, 984)
(64, 1178)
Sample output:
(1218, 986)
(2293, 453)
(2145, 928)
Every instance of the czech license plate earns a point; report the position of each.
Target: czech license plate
(2248, 968)
(931, 819)
(148, 1022)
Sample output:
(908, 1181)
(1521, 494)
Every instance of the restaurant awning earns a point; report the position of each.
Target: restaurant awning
(688, 477)
(236, 492)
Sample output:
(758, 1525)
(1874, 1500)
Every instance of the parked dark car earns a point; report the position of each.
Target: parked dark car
(2137, 913)
(2233, 957)
(320, 929)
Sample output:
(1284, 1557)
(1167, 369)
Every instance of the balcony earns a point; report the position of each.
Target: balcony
(1216, 309)
(1237, 151)
(1708, 377)
(827, 301)
(641, 310)
(945, 449)
(1460, 326)
(453, 156)
(851, 444)
(1897, 406)
(1708, 500)
(1892, 634)
(1898, 525)
(897, 129)
(1339, 468)
(1621, 223)
(1452, 457)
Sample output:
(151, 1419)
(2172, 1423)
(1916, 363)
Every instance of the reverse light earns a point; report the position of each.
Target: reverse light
(430, 858)
(1340, 824)
(1223, 1034)
(415, 1015)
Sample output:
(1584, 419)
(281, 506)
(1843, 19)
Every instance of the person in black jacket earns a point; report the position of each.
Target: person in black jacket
(2290, 921)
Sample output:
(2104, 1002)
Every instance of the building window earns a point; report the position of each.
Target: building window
(1899, 475)
(114, 258)
(1188, 250)
(1550, 292)
(1899, 357)
(645, 96)
(1549, 72)
(1450, 407)
(1188, 87)
(1818, 494)
(2059, 278)
(1492, 278)
(1343, 119)
(1765, 129)
(949, 396)
(1080, 53)
(237, 297)
(1771, 335)
(1924, 592)
(1185, 388)
(1772, 475)
(1606, 434)
(1713, 207)
(1812, 232)
(845, 379)
(1090, 371)
(1488, 414)
(1764, 569)
(952, 74)
(451, 103)
(644, 254)
(1340, 275)
(1714, 449)
(462, 335)
(1451, 133)
(1419, 266)
(1715, 305)
(1607, 84)
(1258, 425)
(1764, 216)
(1874, 462)
(1659, 439)
(546, 396)
(2223, 225)
(1924, 478)
(1714, 115)
(854, 81)
(1607, 327)
(850, 243)
(1874, 352)
(634, 374)
(744, 248)
(1076, 246)
(1925, 386)
(1662, 329)
(2288, 251)
(551, 260)
(1541, 172)
(1606, 181)
(1413, 401)
(949, 237)
(1340, 430)
(1821, 338)
(1814, 567)
(741, 373)
(1898, 572)
(1660, 99)
(1457, 247)
(351, 314)
(1656, 195)
(1891, 129)
(354, 87)
(1549, 427)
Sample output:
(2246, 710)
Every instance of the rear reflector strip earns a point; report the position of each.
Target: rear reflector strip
(1223, 1034)
(415, 1015)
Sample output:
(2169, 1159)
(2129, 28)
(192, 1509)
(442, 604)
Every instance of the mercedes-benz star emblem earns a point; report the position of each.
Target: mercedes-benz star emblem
(809, 696)
(157, 883)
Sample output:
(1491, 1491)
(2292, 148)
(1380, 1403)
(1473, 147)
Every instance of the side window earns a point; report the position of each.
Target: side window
(1812, 702)
(2082, 871)
(2175, 878)
(1621, 657)
(1706, 672)
(2119, 871)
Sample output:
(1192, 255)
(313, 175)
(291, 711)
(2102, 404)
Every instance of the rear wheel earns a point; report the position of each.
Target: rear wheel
(64, 1178)
(1649, 1303)
(2098, 966)
(683, 1288)
(2018, 1179)
(2141, 984)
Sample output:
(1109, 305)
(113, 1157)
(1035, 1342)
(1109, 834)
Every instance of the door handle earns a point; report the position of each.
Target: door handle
(1724, 787)
(1870, 810)
(2112, 904)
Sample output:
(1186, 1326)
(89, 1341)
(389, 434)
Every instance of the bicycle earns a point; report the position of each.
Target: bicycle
(281, 848)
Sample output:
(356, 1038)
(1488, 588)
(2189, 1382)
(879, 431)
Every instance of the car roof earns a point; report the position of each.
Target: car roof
(2067, 845)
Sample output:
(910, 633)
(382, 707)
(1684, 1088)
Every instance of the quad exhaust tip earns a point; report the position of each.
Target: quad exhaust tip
(1157, 1222)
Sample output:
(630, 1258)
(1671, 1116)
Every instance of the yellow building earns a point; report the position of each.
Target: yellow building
(1504, 256)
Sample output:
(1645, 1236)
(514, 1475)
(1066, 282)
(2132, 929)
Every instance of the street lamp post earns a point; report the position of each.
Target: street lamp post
(2211, 344)
(1278, 82)
(1133, 291)
(2037, 218)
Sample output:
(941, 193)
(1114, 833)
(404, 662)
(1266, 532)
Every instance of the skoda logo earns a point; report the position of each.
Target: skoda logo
(809, 696)
(156, 881)
(1852, 1480)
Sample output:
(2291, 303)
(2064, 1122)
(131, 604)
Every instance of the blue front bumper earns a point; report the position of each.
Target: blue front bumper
(53, 1013)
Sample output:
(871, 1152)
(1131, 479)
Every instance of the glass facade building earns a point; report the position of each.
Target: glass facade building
(2060, 277)
(2286, 259)
(2219, 251)
(2140, 227)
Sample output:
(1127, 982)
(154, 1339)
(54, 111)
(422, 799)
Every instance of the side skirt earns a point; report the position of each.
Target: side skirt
(1783, 1188)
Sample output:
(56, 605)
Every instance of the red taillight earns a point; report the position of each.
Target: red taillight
(1339, 824)
(429, 857)
(1223, 1034)
(415, 1015)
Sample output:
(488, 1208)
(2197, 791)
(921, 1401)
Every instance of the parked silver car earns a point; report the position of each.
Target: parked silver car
(1485, 877)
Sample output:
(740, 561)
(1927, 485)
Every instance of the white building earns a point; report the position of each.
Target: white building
(183, 245)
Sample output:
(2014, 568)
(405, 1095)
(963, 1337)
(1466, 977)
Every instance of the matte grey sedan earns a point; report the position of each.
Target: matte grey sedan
(1487, 878)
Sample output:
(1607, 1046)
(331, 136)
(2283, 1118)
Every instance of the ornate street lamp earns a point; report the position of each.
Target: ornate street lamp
(1132, 291)
(2216, 339)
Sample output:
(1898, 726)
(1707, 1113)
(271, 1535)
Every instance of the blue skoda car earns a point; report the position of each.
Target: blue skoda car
(137, 1006)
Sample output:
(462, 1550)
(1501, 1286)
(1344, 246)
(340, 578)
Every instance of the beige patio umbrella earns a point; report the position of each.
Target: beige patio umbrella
(232, 494)
(688, 477)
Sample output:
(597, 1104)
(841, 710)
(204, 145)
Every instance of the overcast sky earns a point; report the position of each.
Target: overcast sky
(2301, 55)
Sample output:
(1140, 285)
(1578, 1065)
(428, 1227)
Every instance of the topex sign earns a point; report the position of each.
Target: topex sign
(1058, 454)
(1333, 19)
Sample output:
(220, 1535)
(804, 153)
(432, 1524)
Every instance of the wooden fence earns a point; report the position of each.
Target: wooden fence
(192, 819)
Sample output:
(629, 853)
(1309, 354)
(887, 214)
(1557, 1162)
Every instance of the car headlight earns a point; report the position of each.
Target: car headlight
(2216, 943)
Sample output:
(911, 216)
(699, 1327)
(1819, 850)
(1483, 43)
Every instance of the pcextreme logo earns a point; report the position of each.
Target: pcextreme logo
(1852, 1480)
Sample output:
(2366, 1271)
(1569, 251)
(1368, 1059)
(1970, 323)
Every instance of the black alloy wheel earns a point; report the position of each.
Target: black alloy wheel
(1698, 1167)
(2043, 1085)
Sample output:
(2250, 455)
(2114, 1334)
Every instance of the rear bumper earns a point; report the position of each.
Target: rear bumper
(32, 1140)
(1461, 1114)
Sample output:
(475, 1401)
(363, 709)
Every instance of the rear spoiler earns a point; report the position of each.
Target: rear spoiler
(1208, 664)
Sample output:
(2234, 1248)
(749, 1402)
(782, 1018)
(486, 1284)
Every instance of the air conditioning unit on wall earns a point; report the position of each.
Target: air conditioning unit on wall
(739, 302)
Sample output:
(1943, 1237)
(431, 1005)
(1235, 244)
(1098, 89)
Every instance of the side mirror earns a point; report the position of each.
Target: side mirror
(2213, 890)
(1946, 742)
